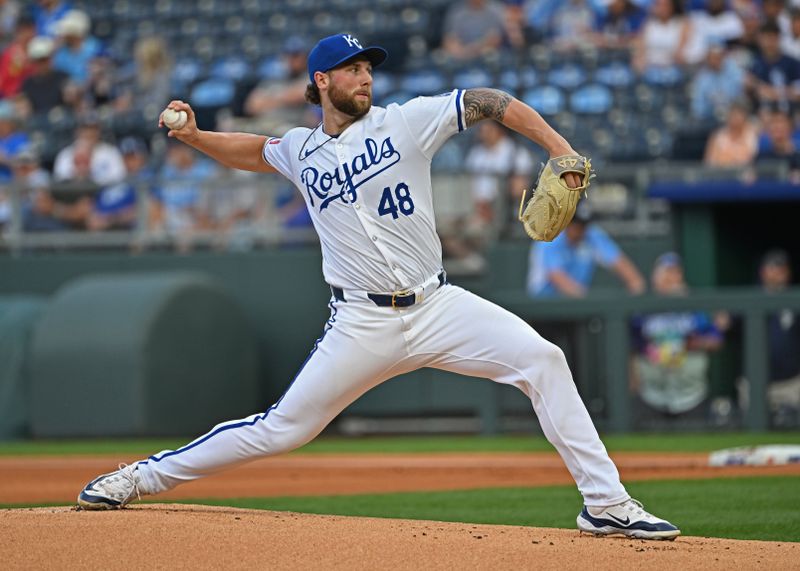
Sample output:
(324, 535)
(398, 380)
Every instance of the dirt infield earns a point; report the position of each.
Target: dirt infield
(52, 479)
(202, 537)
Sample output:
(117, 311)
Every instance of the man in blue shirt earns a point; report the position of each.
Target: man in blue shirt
(565, 266)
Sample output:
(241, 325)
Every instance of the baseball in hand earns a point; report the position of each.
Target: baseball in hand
(174, 119)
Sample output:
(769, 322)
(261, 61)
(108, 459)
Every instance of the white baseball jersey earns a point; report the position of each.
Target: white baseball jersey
(369, 194)
(369, 191)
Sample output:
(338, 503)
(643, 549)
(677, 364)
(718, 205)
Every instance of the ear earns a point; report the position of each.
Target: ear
(321, 79)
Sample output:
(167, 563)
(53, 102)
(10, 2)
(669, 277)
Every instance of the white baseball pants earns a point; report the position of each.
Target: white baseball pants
(363, 345)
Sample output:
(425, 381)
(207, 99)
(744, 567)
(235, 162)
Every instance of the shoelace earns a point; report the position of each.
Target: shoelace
(637, 504)
(128, 475)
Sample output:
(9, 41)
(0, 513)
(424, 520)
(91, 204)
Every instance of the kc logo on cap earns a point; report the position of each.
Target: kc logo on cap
(337, 49)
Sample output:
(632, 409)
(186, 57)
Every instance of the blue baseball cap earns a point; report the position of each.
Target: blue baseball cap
(334, 50)
(668, 259)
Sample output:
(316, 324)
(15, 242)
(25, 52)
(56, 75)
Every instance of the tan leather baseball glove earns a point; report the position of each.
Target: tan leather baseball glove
(553, 203)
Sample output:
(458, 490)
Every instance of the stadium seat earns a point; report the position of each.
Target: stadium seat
(424, 82)
(568, 76)
(232, 68)
(185, 73)
(591, 99)
(547, 99)
(471, 78)
(273, 67)
(213, 92)
(663, 76)
(615, 74)
(383, 84)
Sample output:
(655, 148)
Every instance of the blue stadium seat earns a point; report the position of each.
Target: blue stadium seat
(424, 82)
(592, 99)
(383, 84)
(616, 74)
(663, 76)
(233, 68)
(471, 78)
(514, 80)
(567, 76)
(546, 99)
(213, 92)
(185, 73)
(273, 67)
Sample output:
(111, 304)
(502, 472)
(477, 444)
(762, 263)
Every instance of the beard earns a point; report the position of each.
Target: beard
(348, 104)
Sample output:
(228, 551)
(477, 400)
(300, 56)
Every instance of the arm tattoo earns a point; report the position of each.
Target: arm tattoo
(483, 103)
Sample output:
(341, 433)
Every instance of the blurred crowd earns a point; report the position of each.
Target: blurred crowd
(69, 102)
(713, 81)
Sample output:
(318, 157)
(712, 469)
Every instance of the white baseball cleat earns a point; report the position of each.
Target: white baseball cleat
(113, 490)
(628, 518)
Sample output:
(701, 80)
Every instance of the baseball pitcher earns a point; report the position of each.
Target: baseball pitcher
(364, 173)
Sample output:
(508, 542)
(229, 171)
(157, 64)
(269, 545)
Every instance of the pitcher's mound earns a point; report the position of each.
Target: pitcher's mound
(202, 537)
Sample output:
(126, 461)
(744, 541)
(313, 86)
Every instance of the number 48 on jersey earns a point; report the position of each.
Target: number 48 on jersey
(399, 200)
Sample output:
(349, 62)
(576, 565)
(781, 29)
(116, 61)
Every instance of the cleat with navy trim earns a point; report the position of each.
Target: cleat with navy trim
(628, 518)
(113, 490)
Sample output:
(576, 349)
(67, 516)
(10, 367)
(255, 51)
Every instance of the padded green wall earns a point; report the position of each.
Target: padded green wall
(18, 315)
(148, 354)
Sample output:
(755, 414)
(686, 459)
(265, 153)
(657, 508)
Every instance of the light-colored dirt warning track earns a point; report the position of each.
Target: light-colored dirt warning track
(202, 537)
(52, 479)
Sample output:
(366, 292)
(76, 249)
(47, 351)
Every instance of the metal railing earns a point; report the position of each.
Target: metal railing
(751, 305)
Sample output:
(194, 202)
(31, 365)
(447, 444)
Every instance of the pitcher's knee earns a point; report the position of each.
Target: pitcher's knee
(287, 437)
(551, 355)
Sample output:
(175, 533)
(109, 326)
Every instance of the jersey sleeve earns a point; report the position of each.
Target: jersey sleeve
(277, 151)
(433, 120)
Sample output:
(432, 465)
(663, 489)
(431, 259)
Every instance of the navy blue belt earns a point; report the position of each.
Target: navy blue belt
(397, 299)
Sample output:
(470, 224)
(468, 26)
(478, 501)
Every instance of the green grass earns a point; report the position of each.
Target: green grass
(688, 442)
(764, 508)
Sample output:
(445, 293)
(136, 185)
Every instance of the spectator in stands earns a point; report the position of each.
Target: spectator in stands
(233, 212)
(473, 28)
(670, 364)
(774, 11)
(10, 14)
(116, 206)
(47, 15)
(14, 63)
(783, 330)
(566, 25)
(176, 207)
(73, 196)
(101, 87)
(46, 88)
(500, 169)
(716, 85)
(734, 144)
(664, 38)
(12, 139)
(619, 24)
(778, 143)
(515, 24)
(5, 209)
(745, 49)
(773, 79)
(565, 266)
(146, 84)
(790, 37)
(106, 164)
(36, 201)
(277, 105)
(77, 47)
(717, 24)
